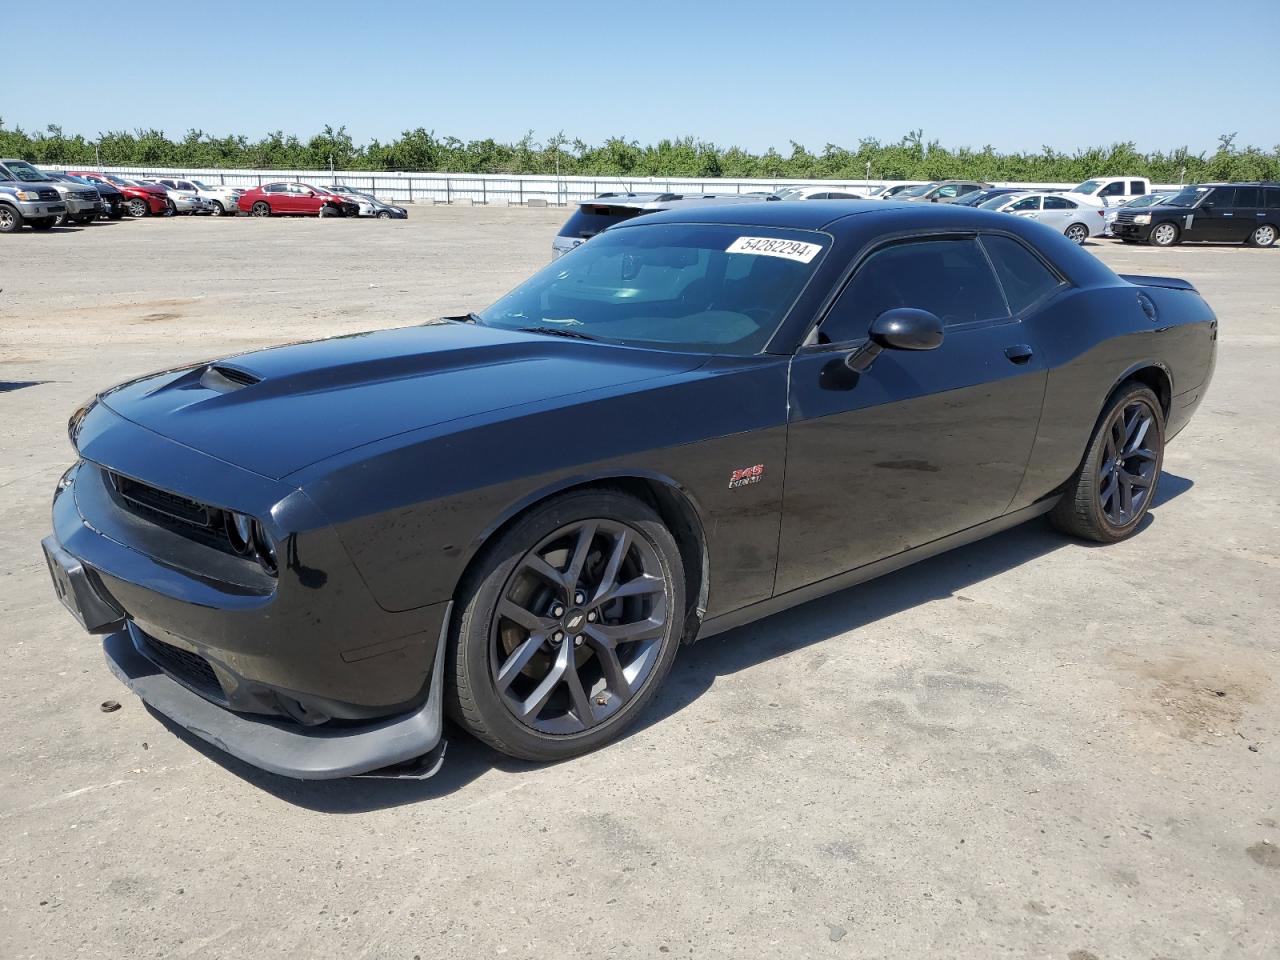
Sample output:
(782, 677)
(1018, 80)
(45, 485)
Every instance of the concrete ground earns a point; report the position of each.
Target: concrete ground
(1027, 748)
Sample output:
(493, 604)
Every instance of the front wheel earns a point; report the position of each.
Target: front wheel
(43, 223)
(567, 628)
(329, 210)
(138, 207)
(1112, 489)
(218, 209)
(260, 209)
(1163, 235)
(384, 214)
(10, 219)
(1077, 233)
(1263, 236)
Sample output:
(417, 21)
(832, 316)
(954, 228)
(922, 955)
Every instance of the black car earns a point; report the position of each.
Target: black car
(975, 197)
(1216, 212)
(307, 555)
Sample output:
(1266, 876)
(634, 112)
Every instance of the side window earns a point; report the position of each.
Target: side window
(1030, 203)
(5, 175)
(1058, 203)
(274, 188)
(1223, 198)
(1246, 196)
(1113, 189)
(1023, 275)
(1137, 188)
(950, 278)
(819, 196)
(1273, 199)
(947, 191)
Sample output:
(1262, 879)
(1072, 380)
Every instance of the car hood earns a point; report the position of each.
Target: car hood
(276, 411)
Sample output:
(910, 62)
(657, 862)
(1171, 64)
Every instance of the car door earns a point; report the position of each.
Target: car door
(1057, 213)
(1112, 194)
(1248, 209)
(922, 443)
(1028, 207)
(1214, 218)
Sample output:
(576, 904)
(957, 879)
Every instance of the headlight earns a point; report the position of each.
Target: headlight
(26, 195)
(76, 419)
(1142, 218)
(240, 532)
(250, 539)
(264, 547)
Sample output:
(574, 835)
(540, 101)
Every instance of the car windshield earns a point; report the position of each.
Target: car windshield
(118, 181)
(1150, 200)
(1188, 197)
(975, 198)
(705, 288)
(1089, 186)
(23, 171)
(918, 191)
(998, 201)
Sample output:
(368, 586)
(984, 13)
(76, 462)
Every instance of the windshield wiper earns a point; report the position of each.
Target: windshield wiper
(467, 318)
(559, 332)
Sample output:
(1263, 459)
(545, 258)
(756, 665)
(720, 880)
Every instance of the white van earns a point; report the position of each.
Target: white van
(1111, 191)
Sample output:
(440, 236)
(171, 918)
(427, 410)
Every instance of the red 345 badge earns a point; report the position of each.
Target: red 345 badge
(740, 478)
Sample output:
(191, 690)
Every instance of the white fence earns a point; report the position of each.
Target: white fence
(500, 189)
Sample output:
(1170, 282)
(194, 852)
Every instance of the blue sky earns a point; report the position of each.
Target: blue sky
(1013, 74)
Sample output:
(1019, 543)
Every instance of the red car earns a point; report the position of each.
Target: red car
(140, 199)
(296, 199)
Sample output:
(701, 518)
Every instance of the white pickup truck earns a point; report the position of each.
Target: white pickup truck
(1110, 191)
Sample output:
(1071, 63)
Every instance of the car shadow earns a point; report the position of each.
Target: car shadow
(698, 666)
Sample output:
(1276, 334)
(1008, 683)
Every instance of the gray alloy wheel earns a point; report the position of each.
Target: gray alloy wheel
(1164, 235)
(10, 219)
(384, 214)
(138, 207)
(61, 220)
(218, 209)
(260, 209)
(1077, 233)
(170, 208)
(571, 624)
(1114, 486)
(1263, 236)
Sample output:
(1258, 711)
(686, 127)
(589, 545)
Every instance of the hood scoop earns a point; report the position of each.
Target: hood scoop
(225, 378)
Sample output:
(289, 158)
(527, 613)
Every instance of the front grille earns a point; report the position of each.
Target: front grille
(191, 668)
(48, 193)
(1125, 216)
(85, 194)
(155, 500)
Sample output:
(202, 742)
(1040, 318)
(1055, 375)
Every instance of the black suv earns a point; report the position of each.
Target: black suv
(1217, 212)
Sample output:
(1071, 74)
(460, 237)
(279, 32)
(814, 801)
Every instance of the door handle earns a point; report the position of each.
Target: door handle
(1019, 353)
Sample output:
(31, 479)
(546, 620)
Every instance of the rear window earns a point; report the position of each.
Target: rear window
(1023, 275)
(590, 218)
(1273, 198)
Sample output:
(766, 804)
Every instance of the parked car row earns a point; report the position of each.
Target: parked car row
(42, 199)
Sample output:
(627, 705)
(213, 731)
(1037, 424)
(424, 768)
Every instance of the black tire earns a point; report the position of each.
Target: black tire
(170, 208)
(384, 214)
(10, 219)
(1083, 510)
(42, 223)
(218, 210)
(117, 213)
(1164, 234)
(481, 640)
(1077, 233)
(138, 207)
(1264, 235)
(61, 220)
(329, 210)
(260, 209)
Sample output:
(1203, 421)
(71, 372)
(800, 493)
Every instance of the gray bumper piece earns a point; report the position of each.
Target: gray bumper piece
(289, 749)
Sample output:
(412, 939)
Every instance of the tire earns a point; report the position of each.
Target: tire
(117, 213)
(1164, 235)
(1077, 233)
(218, 210)
(1264, 236)
(260, 209)
(329, 210)
(42, 223)
(170, 209)
(1093, 504)
(10, 219)
(138, 207)
(384, 214)
(61, 220)
(555, 682)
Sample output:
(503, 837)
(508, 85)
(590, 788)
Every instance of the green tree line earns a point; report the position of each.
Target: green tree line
(911, 158)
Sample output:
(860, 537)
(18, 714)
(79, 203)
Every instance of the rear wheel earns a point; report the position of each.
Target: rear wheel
(567, 628)
(138, 207)
(10, 219)
(1112, 489)
(260, 209)
(1263, 236)
(1164, 235)
(1077, 233)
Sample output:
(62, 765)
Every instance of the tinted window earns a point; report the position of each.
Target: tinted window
(947, 191)
(275, 188)
(590, 218)
(1024, 276)
(1030, 203)
(1223, 197)
(950, 278)
(819, 196)
(1113, 189)
(1246, 196)
(1137, 187)
(1273, 199)
(1057, 203)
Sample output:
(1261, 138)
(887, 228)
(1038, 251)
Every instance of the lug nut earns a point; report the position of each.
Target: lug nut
(577, 641)
(557, 611)
(591, 617)
(557, 637)
(579, 597)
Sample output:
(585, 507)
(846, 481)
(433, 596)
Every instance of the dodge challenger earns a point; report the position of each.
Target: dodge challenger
(309, 556)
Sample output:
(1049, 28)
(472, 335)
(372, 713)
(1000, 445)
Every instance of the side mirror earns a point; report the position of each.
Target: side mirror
(902, 328)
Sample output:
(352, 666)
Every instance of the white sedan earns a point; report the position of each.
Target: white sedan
(1076, 221)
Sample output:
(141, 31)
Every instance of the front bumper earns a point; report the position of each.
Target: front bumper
(1130, 231)
(304, 675)
(76, 206)
(36, 209)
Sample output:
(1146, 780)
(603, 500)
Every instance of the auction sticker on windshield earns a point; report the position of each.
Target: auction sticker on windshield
(772, 247)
